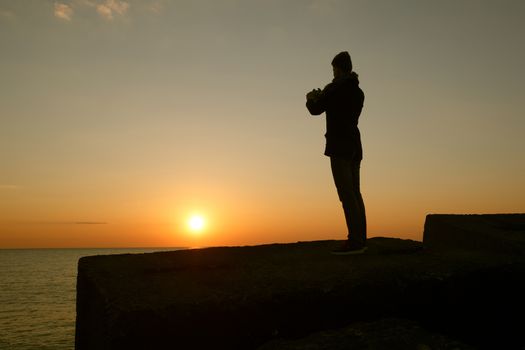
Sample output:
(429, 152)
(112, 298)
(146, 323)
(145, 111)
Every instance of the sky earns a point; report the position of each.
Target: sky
(122, 119)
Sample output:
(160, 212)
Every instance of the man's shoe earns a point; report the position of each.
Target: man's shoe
(348, 248)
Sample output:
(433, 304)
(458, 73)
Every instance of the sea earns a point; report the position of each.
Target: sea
(38, 296)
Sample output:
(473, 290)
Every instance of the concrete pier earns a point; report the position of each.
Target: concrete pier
(266, 296)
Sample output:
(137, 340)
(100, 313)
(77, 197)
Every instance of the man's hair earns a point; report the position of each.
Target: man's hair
(343, 61)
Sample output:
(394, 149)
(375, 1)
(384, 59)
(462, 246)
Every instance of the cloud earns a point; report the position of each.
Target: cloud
(106, 9)
(63, 11)
(110, 7)
(63, 222)
(90, 223)
(156, 7)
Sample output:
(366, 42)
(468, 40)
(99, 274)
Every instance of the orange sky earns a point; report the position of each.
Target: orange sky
(120, 119)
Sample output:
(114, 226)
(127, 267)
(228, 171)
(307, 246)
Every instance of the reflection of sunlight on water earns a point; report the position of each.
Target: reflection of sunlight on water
(38, 294)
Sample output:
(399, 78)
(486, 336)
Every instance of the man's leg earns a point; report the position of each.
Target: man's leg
(346, 178)
(360, 213)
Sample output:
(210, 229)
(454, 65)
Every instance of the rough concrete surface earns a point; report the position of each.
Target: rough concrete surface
(391, 334)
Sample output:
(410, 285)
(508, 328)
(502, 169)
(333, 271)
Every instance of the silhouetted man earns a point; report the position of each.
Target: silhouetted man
(342, 100)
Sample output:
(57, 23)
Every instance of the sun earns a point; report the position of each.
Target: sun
(196, 223)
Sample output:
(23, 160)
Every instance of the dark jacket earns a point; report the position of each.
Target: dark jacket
(342, 100)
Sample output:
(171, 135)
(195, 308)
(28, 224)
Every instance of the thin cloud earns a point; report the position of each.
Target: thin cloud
(111, 7)
(71, 222)
(63, 11)
(90, 223)
(107, 9)
(67, 223)
(157, 7)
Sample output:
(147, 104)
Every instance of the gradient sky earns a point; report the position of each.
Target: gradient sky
(121, 118)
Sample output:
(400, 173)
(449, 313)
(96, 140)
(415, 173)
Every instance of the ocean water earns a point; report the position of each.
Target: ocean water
(38, 296)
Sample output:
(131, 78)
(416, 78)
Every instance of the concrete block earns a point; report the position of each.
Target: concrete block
(491, 233)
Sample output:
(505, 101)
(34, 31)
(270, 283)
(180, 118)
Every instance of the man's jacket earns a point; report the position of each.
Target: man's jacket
(342, 100)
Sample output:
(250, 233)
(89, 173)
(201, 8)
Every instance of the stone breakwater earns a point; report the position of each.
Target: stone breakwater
(460, 288)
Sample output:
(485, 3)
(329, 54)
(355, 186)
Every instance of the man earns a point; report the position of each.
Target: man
(342, 100)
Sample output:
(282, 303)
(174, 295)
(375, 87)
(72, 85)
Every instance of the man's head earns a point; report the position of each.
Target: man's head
(342, 64)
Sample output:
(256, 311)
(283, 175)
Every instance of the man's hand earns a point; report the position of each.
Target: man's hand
(313, 95)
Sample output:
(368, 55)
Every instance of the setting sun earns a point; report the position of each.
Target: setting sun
(196, 223)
